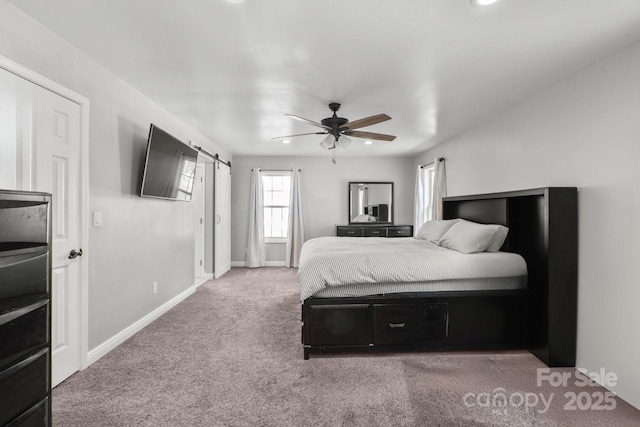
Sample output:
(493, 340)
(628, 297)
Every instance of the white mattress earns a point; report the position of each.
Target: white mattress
(347, 266)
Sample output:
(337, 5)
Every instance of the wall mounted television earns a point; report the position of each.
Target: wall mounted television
(169, 168)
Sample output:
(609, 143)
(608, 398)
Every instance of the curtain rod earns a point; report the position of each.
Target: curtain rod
(440, 159)
(278, 170)
(215, 157)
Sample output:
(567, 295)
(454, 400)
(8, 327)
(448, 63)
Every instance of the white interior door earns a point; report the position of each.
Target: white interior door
(198, 210)
(57, 146)
(222, 217)
(41, 136)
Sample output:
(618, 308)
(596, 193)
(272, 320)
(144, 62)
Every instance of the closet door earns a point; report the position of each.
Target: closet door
(40, 150)
(222, 257)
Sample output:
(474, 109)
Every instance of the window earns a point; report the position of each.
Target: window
(185, 184)
(276, 187)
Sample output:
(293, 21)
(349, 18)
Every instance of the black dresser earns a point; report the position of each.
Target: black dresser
(374, 230)
(25, 315)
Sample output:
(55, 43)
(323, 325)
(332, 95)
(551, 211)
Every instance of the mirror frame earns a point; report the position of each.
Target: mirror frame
(391, 210)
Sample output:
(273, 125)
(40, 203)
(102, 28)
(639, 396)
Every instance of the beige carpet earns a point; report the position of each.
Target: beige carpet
(230, 355)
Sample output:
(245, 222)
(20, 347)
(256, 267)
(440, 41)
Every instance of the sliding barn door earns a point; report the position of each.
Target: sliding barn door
(222, 217)
(199, 219)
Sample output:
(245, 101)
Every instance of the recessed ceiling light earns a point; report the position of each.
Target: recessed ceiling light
(236, 1)
(367, 142)
(285, 141)
(482, 2)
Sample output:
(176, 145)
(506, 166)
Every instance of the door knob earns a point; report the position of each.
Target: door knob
(73, 254)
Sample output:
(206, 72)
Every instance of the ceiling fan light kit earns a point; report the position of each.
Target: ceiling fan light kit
(330, 142)
(343, 142)
(327, 142)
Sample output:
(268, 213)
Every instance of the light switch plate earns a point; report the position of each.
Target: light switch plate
(97, 219)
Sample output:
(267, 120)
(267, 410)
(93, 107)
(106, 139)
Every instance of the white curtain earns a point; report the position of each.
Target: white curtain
(422, 202)
(295, 235)
(431, 187)
(439, 188)
(255, 244)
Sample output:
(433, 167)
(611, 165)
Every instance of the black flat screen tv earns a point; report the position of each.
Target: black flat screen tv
(169, 168)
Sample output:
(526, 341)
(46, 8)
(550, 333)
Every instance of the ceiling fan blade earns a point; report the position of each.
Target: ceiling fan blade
(367, 121)
(370, 135)
(311, 122)
(299, 134)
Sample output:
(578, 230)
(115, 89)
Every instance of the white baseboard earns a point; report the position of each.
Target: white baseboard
(122, 336)
(267, 264)
(223, 269)
(200, 280)
(275, 264)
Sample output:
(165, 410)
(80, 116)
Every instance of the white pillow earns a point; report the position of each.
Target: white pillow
(468, 237)
(434, 230)
(498, 239)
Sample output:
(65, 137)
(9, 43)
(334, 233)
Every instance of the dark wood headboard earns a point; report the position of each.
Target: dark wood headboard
(521, 211)
(543, 228)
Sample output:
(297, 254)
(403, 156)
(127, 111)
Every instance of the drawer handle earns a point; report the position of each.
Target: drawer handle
(396, 325)
(351, 232)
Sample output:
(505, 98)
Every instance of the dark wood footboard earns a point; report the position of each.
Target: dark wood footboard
(422, 321)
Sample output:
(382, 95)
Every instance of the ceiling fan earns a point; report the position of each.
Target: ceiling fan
(338, 128)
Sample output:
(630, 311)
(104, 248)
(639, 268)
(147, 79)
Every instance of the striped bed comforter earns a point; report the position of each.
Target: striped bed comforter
(337, 261)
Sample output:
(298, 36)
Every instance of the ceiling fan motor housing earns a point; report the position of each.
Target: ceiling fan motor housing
(334, 122)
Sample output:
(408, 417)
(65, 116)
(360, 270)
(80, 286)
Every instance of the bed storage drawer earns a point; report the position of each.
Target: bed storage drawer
(333, 325)
(409, 323)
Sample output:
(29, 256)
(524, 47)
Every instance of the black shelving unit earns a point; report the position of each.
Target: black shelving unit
(25, 311)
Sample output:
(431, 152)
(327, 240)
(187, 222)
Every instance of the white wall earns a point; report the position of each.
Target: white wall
(324, 193)
(583, 132)
(141, 240)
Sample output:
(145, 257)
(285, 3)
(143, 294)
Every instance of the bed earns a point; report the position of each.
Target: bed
(397, 294)
(352, 267)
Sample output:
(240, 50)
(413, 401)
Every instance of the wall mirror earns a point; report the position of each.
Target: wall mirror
(371, 202)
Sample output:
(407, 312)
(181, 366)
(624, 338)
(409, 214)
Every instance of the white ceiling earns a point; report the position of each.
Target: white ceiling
(436, 67)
